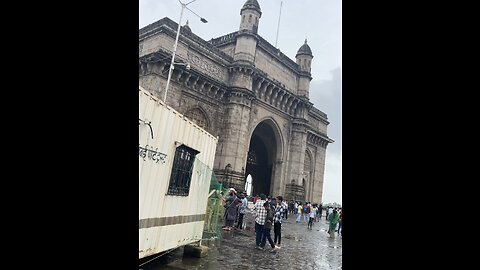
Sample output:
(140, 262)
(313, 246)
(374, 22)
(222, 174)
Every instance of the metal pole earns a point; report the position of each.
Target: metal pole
(278, 27)
(170, 71)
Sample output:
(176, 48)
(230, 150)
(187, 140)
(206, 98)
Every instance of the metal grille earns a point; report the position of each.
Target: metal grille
(215, 210)
(182, 171)
(197, 116)
(252, 158)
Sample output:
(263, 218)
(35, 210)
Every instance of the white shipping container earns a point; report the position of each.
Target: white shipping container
(170, 221)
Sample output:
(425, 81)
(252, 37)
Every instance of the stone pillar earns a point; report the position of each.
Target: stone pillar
(318, 176)
(277, 186)
(195, 250)
(297, 147)
(294, 192)
(231, 160)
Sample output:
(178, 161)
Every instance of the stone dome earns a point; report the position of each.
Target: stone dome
(305, 49)
(187, 28)
(251, 4)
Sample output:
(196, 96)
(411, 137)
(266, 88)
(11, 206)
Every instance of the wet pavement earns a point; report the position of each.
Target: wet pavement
(301, 248)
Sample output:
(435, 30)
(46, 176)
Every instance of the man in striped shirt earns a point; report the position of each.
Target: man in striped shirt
(260, 216)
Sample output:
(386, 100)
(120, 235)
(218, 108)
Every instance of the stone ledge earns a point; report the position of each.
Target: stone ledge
(195, 250)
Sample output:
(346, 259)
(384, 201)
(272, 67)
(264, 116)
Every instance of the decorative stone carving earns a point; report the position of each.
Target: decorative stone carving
(211, 69)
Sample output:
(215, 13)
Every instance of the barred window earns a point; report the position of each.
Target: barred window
(252, 158)
(182, 171)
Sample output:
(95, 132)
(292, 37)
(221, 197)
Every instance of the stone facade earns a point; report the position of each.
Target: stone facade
(254, 98)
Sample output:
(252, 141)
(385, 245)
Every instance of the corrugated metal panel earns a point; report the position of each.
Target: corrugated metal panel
(170, 129)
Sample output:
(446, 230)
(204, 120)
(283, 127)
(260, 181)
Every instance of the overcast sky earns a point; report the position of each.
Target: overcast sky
(319, 21)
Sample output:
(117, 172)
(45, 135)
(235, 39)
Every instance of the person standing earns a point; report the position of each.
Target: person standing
(260, 215)
(230, 209)
(299, 212)
(313, 214)
(306, 212)
(285, 208)
(278, 218)
(333, 220)
(268, 227)
(241, 210)
(340, 222)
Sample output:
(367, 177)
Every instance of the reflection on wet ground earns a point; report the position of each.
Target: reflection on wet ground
(301, 248)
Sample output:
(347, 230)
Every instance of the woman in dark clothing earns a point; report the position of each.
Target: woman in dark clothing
(230, 210)
(340, 223)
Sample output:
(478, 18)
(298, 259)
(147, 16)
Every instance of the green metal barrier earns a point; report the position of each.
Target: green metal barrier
(215, 210)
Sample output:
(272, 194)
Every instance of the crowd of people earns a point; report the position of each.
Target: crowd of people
(270, 212)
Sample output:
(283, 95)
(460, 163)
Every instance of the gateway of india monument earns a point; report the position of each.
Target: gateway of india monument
(242, 89)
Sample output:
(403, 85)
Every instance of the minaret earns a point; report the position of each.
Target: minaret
(246, 40)
(250, 15)
(299, 133)
(304, 61)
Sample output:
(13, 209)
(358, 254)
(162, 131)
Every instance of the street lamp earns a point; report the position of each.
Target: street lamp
(170, 71)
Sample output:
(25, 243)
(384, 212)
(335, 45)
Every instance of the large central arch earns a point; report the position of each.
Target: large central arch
(264, 158)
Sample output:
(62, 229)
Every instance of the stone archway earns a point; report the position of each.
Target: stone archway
(263, 152)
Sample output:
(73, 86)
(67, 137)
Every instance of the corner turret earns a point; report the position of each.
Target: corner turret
(304, 61)
(250, 14)
(304, 58)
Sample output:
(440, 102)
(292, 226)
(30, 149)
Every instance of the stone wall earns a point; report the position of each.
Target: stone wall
(294, 192)
(276, 70)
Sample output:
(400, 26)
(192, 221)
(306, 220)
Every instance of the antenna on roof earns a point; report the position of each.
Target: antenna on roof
(278, 27)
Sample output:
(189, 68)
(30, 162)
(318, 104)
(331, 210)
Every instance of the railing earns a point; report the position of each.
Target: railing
(213, 215)
(215, 210)
(224, 39)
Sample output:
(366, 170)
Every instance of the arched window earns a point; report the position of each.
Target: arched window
(250, 18)
(243, 18)
(198, 117)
